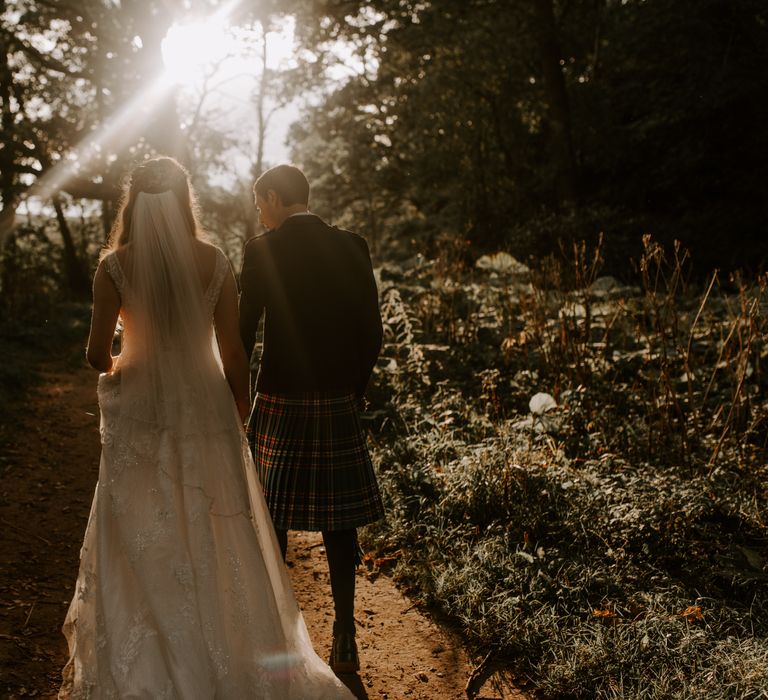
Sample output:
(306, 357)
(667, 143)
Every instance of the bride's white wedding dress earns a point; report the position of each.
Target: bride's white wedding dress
(181, 591)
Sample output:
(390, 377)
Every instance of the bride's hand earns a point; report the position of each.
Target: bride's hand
(114, 369)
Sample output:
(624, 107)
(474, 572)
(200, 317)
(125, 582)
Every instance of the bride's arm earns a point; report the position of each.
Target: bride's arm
(233, 354)
(106, 309)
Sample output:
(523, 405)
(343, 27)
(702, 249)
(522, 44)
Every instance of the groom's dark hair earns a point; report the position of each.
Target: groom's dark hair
(288, 181)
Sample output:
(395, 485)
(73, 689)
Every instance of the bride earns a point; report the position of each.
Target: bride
(181, 592)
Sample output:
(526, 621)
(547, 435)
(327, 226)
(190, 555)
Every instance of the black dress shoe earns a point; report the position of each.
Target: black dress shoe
(344, 657)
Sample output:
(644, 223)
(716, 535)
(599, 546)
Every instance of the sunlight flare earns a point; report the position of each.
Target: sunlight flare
(191, 49)
(196, 50)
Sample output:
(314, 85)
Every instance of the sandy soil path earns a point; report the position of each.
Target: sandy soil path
(48, 472)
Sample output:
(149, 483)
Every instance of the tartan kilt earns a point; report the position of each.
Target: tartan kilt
(312, 460)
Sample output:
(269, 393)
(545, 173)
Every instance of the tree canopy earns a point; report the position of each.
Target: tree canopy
(515, 124)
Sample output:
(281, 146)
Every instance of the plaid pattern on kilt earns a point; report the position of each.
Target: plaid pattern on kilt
(313, 462)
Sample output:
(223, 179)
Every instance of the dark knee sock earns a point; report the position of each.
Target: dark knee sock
(341, 550)
(282, 540)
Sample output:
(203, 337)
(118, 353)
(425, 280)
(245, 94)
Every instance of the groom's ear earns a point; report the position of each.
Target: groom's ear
(274, 198)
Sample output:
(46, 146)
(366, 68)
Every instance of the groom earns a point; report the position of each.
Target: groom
(314, 285)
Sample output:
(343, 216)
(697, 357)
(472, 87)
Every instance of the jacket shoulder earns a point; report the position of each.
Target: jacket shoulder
(256, 242)
(258, 238)
(352, 236)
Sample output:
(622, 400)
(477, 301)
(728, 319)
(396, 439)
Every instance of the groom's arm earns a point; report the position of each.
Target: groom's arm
(370, 325)
(252, 296)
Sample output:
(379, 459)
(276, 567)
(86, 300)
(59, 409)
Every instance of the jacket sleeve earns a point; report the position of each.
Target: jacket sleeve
(252, 295)
(370, 326)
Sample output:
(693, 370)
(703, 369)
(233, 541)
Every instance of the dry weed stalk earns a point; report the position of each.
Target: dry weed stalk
(673, 388)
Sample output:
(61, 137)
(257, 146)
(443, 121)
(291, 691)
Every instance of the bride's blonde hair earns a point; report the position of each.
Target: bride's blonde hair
(154, 176)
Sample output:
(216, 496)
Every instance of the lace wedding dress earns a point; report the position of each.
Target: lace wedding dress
(181, 591)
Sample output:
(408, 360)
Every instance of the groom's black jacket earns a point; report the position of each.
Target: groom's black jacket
(315, 285)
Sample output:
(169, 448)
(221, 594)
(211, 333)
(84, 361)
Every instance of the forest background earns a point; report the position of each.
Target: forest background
(574, 464)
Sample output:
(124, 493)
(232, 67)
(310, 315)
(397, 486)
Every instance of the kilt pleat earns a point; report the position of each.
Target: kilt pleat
(312, 460)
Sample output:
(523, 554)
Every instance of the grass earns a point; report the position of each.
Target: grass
(614, 546)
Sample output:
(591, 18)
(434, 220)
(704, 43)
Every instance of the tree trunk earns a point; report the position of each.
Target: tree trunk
(7, 175)
(261, 120)
(7, 219)
(250, 219)
(557, 102)
(77, 279)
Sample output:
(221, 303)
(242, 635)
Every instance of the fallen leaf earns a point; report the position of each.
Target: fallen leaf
(692, 614)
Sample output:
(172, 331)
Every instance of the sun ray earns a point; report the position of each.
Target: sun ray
(122, 129)
(124, 126)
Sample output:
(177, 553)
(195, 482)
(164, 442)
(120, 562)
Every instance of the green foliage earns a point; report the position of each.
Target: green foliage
(610, 547)
(33, 266)
(30, 273)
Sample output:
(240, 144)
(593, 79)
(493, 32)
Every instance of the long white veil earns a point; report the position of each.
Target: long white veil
(169, 354)
(171, 384)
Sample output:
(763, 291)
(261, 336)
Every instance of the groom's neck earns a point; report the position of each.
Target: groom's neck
(290, 211)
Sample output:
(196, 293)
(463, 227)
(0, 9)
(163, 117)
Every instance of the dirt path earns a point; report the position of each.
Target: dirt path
(48, 470)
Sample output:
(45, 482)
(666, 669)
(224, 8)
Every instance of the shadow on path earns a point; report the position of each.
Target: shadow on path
(355, 684)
